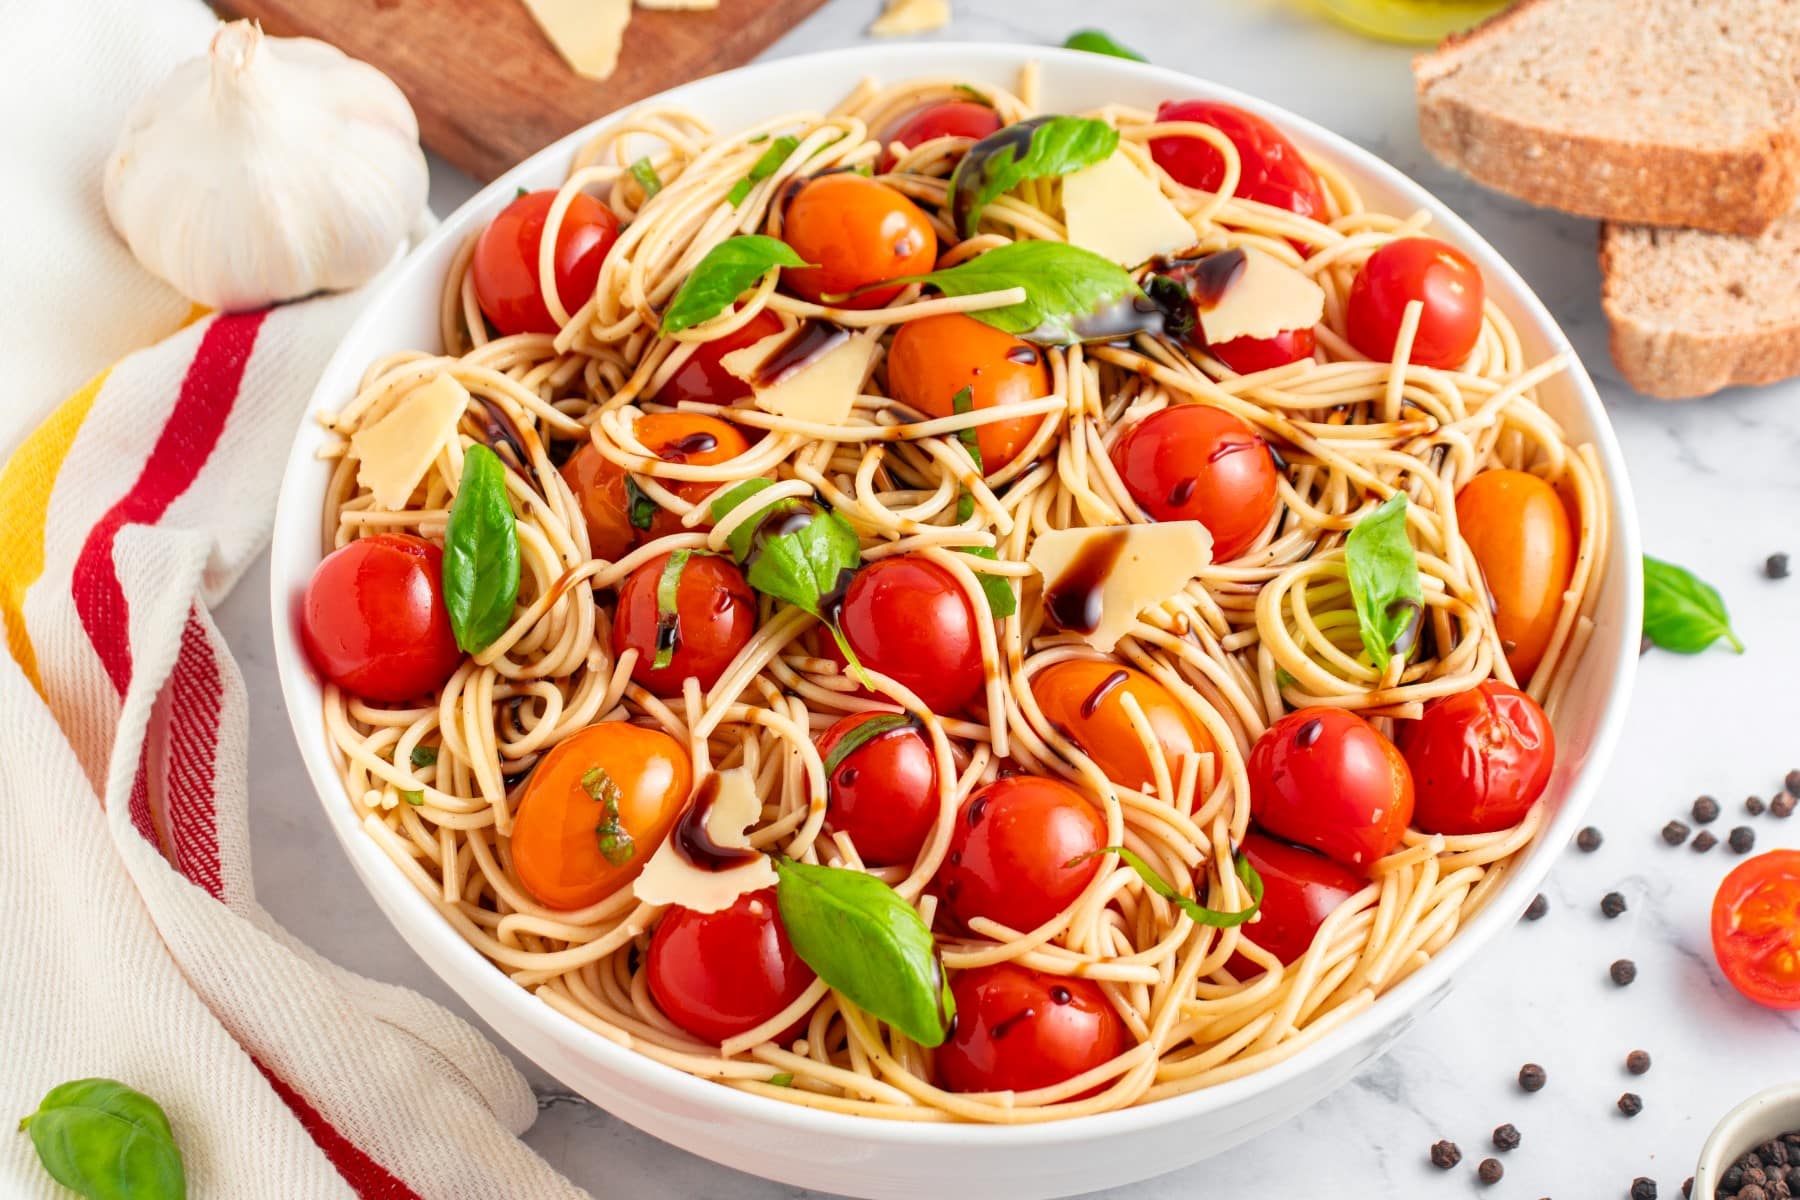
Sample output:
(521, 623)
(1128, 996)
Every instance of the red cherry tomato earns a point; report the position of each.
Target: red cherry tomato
(907, 618)
(505, 266)
(857, 231)
(1270, 171)
(934, 358)
(952, 118)
(1423, 269)
(884, 793)
(703, 379)
(373, 619)
(1519, 531)
(723, 973)
(1326, 778)
(1756, 929)
(1194, 462)
(1011, 848)
(1248, 355)
(1479, 759)
(715, 616)
(1300, 889)
(1018, 1029)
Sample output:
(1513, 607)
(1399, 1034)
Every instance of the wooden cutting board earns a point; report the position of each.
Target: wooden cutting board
(487, 86)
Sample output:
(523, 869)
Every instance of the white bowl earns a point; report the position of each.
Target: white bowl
(861, 1156)
(1768, 1114)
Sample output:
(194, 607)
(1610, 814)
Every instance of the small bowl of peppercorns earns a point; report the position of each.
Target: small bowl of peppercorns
(1756, 1146)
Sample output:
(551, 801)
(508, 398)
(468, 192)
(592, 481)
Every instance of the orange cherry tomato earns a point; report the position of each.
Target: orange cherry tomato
(1479, 759)
(505, 266)
(599, 483)
(715, 617)
(1440, 276)
(934, 358)
(1085, 699)
(1194, 462)
(1756, 928)
(1518, 530)
(556, 844)
(856, 231)
(703, 378)
(952, 118)
(1326, 778)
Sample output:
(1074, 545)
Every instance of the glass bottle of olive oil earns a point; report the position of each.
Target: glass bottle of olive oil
(1411, 20)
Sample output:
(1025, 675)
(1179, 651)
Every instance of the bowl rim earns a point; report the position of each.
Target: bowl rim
(475, 975)
(1721, 1146)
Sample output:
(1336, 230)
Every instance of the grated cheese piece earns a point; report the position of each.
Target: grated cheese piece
(902, 17)
(586, 33)
(395, 452)
(1127, 568)
(824, 390)
(669, 878)
(1118, 212)
(1263, 299)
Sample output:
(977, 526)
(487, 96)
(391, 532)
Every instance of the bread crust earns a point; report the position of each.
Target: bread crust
(1730, 189)
(1672, 363)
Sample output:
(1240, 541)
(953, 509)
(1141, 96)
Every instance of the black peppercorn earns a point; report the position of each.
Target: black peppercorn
(1588, 840)
(1782, 805)
(1643, 1189)
(1637, 1062)
(1754, 805)
(1776, 566)
(1537, 908)
(1490, 1170)
(1706, 810)
(1631, 1104)
(1687, 1187)
(1704, 841)
(1612, 904)
(1506, 1137)
(1623, 971)
(1675, 832)
(1532, 1077)
(1793, 782)
(1751, 1191)
(1742, 839)
(1445, 1155)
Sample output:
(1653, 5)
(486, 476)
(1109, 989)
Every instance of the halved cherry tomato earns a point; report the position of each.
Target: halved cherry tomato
(1424, 269)
(701, 377)
(1518, 530)
(373, 619)
(1085, 699)
(951, 118)
(505, 266)
(857, 231)
(723, 973)
(1270, 171)
(1326, 778)
(1756, 929)
(1300, 889)
(934, 358)
(715, 617)
(1479, 759)
(884, 793)
(1018, 1029)
(556, 848)
(1194, 462)
(1248, 355)
(1011, 849)
(907, 618)
(599, 483)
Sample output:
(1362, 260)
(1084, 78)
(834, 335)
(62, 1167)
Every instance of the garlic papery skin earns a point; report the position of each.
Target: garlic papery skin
(267, 170)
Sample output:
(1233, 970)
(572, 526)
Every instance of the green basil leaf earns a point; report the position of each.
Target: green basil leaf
(868, 944)
(1384, 581)
(106, 1141)
(646, 177)
(961, 403)
(481, 554)
(640, 509)
(802, 563)
(1068, 291)
(739, 541)
(862, 735)
(997, 588)
(520, 192)
(1041, 148)
(412, 796)
(668, 608)
(1284, 678)
(729, 269)
(767, 165)
(423, 756)
(616, 843)
(1683, 612)
(1200, 914)
(1095, 42)
(782, 1079)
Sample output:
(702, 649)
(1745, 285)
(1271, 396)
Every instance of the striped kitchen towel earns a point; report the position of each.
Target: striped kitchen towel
(133, 946)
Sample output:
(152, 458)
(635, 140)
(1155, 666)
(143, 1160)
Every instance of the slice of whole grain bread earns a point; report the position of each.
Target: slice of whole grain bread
(1662, 112)
(1693, 312)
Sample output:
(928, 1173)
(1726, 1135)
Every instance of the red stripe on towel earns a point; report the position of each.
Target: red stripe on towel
(195, 695)
(368, 1178)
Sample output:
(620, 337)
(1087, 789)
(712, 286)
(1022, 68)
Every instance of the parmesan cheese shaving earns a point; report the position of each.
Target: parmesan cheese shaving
(1147, 565)
(1267, 297)
(669, 878)
(395, 452)
(902, 17)
(587, 33)
(1118, 212)
(824, 390)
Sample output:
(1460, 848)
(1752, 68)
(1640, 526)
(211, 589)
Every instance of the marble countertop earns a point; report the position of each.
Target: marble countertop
(1718, 487)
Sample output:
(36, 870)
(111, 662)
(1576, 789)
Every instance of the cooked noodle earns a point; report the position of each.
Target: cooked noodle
(1270, 630)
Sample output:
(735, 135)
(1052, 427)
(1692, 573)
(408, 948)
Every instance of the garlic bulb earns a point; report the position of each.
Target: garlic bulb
(268, 170)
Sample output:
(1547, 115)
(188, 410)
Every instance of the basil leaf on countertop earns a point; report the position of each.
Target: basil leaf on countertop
(1383, 569)
(646, 177)
(668, 608)
(729, 269)
(862, 734)
(1682, 612)
(1095, 42)
(867, 944)
(481, 554)
(1043, 147)
(1200, 914)
(767, 165)
(1070, 293)
(106, 1141)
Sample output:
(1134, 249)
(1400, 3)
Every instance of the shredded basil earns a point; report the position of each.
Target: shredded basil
(1682, 612)
(668, 608)
(616, 844)
(782, 1079)
(862, 735)
(1095, 42)
(1200, 914)
(106, 1141)
(1067, 290)
(640, 509)
(423, 756)
(729, 270)
(412, 796)
(767, 165)
(1041, 148)
(646, 177)
(481, 554)
(1383, 570)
